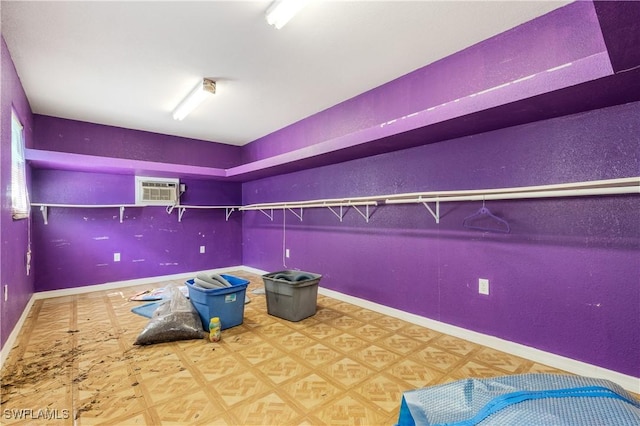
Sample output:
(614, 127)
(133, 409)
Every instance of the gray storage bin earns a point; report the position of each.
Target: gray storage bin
(291, 295)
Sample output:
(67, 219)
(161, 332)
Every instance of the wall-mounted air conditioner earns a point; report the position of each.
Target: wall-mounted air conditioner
(152, 191)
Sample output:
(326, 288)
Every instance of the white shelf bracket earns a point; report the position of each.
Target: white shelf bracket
(269, 215)
(366, 214)
(228, 211)
(338, 215)
(45, 212)
(181, 211)
(436, 214)
(299, 216)
(121, 213)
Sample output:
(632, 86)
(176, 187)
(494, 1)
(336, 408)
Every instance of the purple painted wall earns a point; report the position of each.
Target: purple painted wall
(13, 234)
(620, 22)
(151, 242)
(567, 35)
(76, 247)
(57, 134)
(566, 280)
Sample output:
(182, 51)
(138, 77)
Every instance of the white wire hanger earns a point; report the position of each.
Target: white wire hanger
(484, 220)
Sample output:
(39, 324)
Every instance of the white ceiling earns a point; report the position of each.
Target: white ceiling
(128, 64)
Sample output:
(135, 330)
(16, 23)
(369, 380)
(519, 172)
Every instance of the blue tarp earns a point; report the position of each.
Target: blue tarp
(528, 399)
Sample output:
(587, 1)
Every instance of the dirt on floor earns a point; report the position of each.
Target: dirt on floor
(51, 369)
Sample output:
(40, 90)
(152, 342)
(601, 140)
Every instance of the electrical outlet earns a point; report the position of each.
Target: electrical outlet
(287, 253)
(116, 257)
(483, 286)
(6, 292)
(202, 249)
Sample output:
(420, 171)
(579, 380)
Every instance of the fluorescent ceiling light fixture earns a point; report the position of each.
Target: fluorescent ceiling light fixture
(199, 93)
(281, 11)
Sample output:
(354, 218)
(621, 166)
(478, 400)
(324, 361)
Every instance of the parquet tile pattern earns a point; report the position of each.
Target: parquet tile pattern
(346, 365)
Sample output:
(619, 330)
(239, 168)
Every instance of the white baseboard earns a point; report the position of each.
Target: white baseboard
(128, 283)
(630, 383)
(11, 340)
(252, 270)
(556, 361)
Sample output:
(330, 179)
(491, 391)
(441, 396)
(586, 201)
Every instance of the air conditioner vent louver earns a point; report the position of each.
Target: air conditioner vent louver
(156, 191)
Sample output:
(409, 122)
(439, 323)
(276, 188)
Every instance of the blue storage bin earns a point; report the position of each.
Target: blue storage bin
(224, 303)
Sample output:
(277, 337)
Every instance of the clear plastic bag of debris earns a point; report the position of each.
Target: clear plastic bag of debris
(175, 319)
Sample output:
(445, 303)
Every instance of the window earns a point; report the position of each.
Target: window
(19, 195)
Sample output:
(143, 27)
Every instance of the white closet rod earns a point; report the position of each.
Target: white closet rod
(44, 208)
(84, 206)
(182, 208)
(308, 204)
(341, 203)
(520, 195)
(600, 187)
(629, 185)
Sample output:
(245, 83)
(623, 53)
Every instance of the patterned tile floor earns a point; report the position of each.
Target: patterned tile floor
(74, 362)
